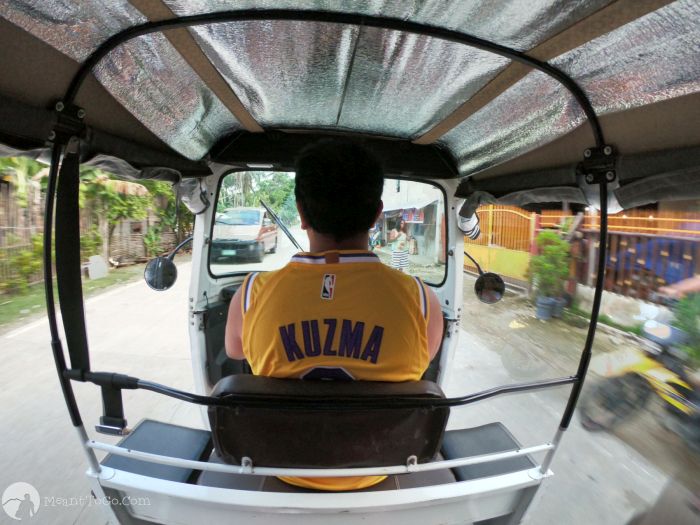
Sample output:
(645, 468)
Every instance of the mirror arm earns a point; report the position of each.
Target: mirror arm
(171, 255)
(481, 272)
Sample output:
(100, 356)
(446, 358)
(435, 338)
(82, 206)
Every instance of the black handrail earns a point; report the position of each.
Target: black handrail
(298, 402)
(593, 323)
(56, 345)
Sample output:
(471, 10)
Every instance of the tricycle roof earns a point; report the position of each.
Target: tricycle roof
(164, 103)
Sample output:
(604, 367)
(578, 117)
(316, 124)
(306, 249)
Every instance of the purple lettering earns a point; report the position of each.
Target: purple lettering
(327, 350)
(351, 339)
(290, 343)
(312, 340)
(374, 343)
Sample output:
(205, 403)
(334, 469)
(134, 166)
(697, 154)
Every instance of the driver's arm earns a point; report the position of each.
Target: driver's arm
(234, 327)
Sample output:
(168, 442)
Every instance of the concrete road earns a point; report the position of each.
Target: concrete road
(598, 479)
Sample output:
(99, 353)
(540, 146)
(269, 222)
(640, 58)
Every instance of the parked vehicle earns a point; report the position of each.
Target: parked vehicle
(243, 233)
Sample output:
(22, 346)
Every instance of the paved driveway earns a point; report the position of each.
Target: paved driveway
(598, 479)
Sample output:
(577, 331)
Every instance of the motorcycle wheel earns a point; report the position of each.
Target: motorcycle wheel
(612, 401)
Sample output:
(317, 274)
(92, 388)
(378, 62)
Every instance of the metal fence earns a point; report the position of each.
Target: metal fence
(646, 249)
(665, 223)
(506, 227)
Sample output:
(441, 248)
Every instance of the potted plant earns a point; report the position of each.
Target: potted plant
(549, 271)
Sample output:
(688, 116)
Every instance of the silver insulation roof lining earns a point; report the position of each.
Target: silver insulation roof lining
(520, 24)
(146, 75)
(151, 80)
(401, 84)
(652, 59)
(295, 75)
(74, 28)
(368, 80)
(287, 74)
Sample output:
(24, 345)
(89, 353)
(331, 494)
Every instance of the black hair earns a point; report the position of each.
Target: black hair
(338, 187)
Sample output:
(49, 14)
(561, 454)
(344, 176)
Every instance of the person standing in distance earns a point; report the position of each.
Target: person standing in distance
(399, 246)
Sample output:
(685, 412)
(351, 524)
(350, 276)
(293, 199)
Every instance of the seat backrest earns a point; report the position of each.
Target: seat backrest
(324, 437)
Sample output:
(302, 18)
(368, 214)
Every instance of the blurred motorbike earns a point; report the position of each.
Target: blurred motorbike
(661, 371)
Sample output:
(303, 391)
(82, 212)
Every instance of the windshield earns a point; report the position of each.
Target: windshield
(239, 218)
(409, 235)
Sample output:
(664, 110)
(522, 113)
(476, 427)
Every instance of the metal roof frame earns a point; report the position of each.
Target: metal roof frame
(65, 151)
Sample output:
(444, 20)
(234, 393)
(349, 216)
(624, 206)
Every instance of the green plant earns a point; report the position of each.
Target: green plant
(25, 264)
(151, 240)
(90, 243)
(550, 268)
(687, 318)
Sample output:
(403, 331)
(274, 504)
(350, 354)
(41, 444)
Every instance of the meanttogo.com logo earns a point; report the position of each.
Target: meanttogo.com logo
(21, 501)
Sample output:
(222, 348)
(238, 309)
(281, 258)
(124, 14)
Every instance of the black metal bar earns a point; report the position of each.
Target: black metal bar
(67, 242)
(337, 18)
(307, 402)
(56, 346)
(592, 325)
(515, 388)
(279, 223)
(475, 263)
(172, 254)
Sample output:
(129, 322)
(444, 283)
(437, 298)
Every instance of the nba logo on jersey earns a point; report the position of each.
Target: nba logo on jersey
(328, 286)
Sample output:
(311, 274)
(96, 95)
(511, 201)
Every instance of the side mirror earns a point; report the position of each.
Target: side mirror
(489, 288)
(160, 273)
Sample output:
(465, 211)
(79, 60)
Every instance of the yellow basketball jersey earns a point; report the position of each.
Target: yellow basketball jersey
(336, 315)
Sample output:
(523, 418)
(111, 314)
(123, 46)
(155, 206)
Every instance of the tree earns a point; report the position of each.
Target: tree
(21, 170)
(178, 220)
(238, 189)
(248, 188)
(277, 190)
(112, 201)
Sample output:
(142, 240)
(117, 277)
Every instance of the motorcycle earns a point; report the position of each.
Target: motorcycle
(661, 370)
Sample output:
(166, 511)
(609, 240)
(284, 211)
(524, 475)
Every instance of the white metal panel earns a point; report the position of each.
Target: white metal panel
(184, 504)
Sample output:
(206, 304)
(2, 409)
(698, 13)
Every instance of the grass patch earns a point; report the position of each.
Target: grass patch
(575, 314)
(17, 307)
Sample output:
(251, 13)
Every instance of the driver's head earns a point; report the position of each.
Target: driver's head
(338, 188)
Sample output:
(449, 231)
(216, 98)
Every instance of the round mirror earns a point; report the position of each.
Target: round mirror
(489, 288)
(160, 273)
